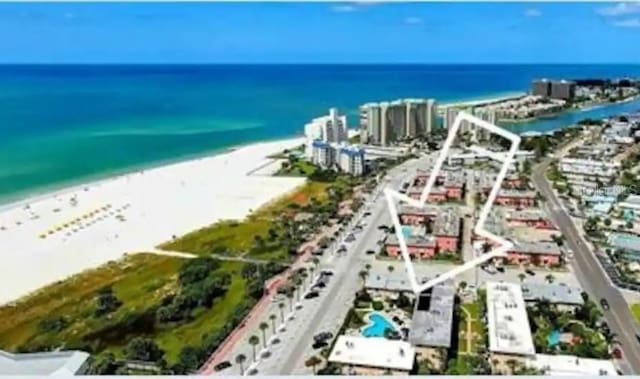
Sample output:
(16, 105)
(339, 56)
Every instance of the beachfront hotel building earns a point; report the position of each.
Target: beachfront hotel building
(331, 128)
(386, 123)
(372, 356)
(432, 324)
(349, 159)
(508, 324)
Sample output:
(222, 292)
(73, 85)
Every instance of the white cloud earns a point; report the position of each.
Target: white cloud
(413, 20)
(343, 8)
(532, 12)
(629, 23)
(620, 9)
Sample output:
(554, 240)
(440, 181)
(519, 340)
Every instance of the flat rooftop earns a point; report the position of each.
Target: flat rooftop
(554, 293)
(432, 320)
(525, 215)
(509, 331)
(563, 365)
(516, 193)
(543, 248)
(394, 282)
(447, 223)
(373, 352)
(43, 364)
(413, 240)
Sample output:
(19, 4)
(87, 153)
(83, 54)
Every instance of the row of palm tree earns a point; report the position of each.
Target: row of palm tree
(299, 279)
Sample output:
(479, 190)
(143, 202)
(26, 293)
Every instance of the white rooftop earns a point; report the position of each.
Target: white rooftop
(65, 363)
(373, 352)
(509, 331)
(564, 365)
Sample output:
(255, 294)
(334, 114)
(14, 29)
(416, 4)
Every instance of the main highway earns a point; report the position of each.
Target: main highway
(592, 276)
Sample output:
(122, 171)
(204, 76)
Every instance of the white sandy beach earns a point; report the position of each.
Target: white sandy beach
(51, 237)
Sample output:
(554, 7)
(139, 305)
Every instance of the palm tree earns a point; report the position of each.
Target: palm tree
(462, 286)
(263, 328)
(367, 267)
(281, 307)
(363, 274)
(311, 270)
(304, 276)
(290, 297)
(390, 268)
(550, 278)
(313, 362)
(298, 287)
(240, 359)
(254, 341)
(273, 319)
(521, 276)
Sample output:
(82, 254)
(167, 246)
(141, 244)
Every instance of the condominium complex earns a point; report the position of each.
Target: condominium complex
(563, 89)
(388, 122)
(347, 158)
(331, 128)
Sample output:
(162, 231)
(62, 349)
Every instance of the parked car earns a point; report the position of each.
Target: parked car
(500, 268)
(605, 304)
(222, 366)
(370, 252)
(530, 272)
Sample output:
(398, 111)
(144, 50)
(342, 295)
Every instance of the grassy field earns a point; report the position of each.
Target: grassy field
(140, 282)
(237, 238)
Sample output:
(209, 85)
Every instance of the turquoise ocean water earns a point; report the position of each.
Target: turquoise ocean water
(61, 125)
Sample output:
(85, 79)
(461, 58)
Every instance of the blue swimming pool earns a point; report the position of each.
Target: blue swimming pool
(554, 338)
(378, 324)
(407, 232)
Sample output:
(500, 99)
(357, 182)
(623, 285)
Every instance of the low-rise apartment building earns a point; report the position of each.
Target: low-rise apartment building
(432, 324)
(372, 356)
(535, 253)
(566, 298)
(444, 238)
(534, 218)
(577, 169)
(516, 198)
(508, 324)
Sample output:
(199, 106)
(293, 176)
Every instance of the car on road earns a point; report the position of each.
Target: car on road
(367, 213)
(222, 366)
(350, 238)
(323, 336)
(312, 294)
(604, 304)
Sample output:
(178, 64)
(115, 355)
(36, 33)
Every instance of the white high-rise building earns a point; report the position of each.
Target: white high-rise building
(488, 115)
(387, 122)
(331, 128)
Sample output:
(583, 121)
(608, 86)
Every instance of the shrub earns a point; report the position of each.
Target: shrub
(377, 305)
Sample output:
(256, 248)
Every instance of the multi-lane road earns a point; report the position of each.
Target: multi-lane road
(592, 276)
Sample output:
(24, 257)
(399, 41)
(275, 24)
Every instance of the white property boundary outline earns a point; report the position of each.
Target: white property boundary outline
(503, 244)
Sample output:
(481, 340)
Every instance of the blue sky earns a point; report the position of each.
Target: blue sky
(359, 32)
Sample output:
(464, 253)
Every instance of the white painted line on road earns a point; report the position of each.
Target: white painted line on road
(503, 244)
